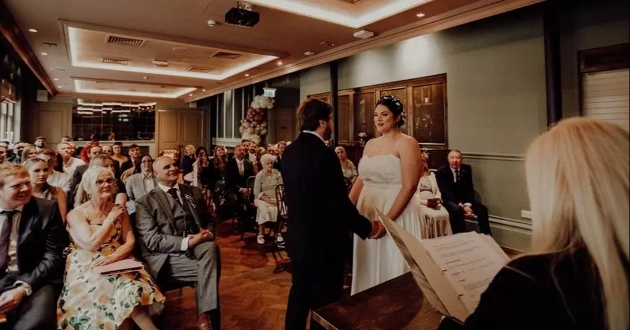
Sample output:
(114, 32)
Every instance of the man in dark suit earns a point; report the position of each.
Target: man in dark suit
(238, 170)
(458, 194)
(282, 146)
(320, 216)
(177, 235)
(32, 239)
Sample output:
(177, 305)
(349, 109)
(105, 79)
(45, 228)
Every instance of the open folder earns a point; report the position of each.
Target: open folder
(452, 271)
(120, 267)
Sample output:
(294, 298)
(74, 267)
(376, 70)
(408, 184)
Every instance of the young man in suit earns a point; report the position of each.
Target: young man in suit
(238, 170)
(320, 216)
(32, 239)
(458, 194)
(177, 235)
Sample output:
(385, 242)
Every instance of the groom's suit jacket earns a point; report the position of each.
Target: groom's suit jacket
(320, 212)
(159, 223)
(40, 243)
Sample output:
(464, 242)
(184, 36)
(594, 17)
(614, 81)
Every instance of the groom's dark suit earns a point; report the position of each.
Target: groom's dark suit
(162, 224)
(320, 216)
(41, 239)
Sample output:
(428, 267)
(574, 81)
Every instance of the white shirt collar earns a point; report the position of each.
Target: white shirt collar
(19, 208)
(316, 134)
(166, 188)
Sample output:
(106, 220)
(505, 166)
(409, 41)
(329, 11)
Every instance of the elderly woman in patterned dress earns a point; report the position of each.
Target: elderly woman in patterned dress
(265, 196)
(102, 235)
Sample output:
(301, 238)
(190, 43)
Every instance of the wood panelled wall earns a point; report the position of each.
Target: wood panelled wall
(424, 101)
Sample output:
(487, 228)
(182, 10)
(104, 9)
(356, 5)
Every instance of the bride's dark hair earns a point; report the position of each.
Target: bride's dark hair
(395, 106)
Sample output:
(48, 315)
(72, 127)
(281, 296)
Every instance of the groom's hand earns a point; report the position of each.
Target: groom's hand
(378, 230)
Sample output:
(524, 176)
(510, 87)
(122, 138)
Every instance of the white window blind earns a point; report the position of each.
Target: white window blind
(606, 96)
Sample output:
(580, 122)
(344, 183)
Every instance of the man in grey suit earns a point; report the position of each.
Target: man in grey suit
(177, 234)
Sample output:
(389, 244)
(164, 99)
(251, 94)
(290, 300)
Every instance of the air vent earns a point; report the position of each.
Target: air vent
(115, 61)
(118, 40)
(226, 55)
(199, 70)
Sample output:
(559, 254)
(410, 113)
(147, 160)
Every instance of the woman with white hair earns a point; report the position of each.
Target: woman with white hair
(576, 277)
(265, 196)
(102, 235)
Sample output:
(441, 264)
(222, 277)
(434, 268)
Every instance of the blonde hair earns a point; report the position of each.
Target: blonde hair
(577, 177)
(88, 183)
(11, 169)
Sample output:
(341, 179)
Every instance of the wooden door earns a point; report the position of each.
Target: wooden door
(191, 128)
(168, 130)
(284, 124)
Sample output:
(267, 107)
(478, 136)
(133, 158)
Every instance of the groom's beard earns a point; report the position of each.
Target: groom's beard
(327, 133)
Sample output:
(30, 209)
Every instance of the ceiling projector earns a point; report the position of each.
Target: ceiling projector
(242, 15)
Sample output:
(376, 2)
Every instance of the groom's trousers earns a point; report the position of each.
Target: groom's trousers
(312, 287)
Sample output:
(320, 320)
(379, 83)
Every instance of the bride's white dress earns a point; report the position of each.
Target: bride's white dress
(377, 261)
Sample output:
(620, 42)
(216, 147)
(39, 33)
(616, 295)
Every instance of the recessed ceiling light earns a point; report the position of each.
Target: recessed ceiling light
(309, 53)
(59, 87)
(190, 94)
(279, 63)
(56, 79)
(32, 30)
(203, 90)
(247, 75)
(44, 54)
(420, 15)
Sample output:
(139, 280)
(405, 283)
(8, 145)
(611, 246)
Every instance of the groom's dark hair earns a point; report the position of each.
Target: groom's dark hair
(311, 111)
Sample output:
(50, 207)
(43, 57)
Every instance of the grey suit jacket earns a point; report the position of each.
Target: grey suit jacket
(156, 214)
(135, 186)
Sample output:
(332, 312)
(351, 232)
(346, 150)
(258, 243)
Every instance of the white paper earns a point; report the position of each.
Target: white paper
(468, 262)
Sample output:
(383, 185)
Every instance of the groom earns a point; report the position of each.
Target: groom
(320, 216)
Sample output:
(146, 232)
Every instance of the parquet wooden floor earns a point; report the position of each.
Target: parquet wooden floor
(252, 296)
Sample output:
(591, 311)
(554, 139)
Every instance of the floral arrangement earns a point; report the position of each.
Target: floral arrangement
(254, 126)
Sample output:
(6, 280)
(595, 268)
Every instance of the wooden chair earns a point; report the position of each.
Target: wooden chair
(349, 183)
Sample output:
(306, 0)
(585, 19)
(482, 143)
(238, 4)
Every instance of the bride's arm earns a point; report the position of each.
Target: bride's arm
(411, 163)
(356, 190)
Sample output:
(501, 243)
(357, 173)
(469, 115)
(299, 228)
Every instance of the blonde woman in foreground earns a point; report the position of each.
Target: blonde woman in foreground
(577, 274)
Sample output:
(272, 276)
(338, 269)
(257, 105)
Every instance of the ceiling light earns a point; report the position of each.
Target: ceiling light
(59, 87)
(32, 30)
(56, 79)
(203, 90)
(309, 53)
(247, 75)
(420, 15)
(190, 94)
(279, 63)
(44, 54)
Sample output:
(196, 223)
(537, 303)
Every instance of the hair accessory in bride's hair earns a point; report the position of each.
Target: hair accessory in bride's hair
(395, 106)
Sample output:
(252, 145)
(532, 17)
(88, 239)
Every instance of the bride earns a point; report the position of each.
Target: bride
(388, 177)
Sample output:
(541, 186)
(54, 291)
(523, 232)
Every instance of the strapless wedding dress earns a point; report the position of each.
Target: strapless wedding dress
(377, 261)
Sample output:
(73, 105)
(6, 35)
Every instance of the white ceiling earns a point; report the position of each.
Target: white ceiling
(70, 42)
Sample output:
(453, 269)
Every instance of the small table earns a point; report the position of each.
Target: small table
(394, 305)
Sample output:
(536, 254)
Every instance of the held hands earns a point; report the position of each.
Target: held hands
(378, 230)
(11, 299)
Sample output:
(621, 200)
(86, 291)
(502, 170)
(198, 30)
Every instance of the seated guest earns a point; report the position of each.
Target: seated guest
(142, 182)
(120, 197)
(435, 221)
(69, 163)
(28, 152)
(32, 239)
(3, 153)
(265, 196)
(102, 235)
(55, 178)
(202, 169)
(123, 162)
(177, 235)
(38, 170)
(576, 277)
(187, 163)
(347, 167)
(90, 150)
(458, 194)
(238, 171)
(280, 150)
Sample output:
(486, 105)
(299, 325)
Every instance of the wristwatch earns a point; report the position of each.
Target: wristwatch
(27, 288)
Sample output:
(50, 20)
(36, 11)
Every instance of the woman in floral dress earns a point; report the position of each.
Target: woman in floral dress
(102, 235)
